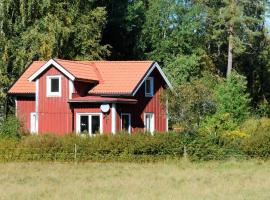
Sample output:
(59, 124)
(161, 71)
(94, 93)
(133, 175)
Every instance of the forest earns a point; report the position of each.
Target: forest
(215, 52)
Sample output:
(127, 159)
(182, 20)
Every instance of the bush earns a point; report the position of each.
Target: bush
(100, 148)
(258, 143)
(232, 105)
(10, 128)
(125, 147)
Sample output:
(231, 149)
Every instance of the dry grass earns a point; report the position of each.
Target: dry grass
(163, 180)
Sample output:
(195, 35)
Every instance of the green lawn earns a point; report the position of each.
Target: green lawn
(162, 180)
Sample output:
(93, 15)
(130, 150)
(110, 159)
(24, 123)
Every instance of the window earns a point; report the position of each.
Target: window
(53, 86)
(126, 122)
(149, 122)
(89, 123)
(149, 87)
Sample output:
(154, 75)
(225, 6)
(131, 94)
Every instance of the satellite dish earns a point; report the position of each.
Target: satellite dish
(105, 108)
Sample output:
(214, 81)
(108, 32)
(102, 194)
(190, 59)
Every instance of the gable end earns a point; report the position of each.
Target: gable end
(154, 66)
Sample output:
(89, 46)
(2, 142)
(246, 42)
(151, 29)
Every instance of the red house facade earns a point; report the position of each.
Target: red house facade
(91, 97)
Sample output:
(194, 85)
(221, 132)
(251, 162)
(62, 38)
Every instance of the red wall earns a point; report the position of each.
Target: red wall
(54, 113)
(146, 104)
(25, 105)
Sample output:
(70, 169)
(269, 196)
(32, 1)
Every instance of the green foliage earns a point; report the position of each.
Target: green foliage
(258, 143)
(263, 109)
(125, 147)
(233, 105)
(10, 128)
(233, 98)
(190, 103)
(40, 30)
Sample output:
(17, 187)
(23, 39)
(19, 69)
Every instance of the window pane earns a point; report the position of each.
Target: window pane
(125, 122)
(95, 124)
(55, 85)
(84, 124)
(148, 86)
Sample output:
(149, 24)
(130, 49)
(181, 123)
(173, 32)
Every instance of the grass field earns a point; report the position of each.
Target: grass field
(162, 180)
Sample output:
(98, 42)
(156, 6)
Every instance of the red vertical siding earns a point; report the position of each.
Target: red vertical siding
(54, 113)
(25, 105)
(146, 104)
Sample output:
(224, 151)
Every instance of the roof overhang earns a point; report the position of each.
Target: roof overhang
(99, 99)
(155, 65)
(47, 65)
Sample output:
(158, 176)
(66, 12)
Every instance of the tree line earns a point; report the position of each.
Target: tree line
(189, 38)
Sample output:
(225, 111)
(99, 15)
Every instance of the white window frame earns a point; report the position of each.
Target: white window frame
(49, 93)
(78, 122)
(129, 124)
(151, 79)
(152, 122)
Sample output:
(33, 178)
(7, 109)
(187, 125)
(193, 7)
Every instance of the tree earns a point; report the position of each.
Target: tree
(32, 30)
(125, 21)
(235, 24)
(173, 35)
(190, 103)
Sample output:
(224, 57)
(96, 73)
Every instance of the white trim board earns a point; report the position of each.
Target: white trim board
(71, 88)
(37, 104)
(154, 66)
(47, 65)
(113, 118)
(16, 107)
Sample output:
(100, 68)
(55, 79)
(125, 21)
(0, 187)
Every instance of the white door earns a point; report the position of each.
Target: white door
(33, 123)
(149, 122)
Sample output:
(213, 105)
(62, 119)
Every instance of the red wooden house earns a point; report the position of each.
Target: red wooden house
(63, 96)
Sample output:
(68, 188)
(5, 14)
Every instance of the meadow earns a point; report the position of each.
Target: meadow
(169, 179)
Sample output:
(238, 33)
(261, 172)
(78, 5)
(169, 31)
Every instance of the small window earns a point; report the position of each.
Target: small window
(149, 87)
(126, 122)
(53, 86)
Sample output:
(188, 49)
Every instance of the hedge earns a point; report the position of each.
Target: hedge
(119, 147)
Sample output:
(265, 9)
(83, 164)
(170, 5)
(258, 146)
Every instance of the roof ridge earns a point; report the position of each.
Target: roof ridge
(93, 61)
(98, 73)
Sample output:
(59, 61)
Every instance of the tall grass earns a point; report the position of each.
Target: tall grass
(170, 179)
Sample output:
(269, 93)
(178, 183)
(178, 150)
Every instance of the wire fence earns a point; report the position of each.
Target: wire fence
(75, 153)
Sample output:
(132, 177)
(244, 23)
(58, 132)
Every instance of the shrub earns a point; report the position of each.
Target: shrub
(232, 97)
(189, 103)
(10, 128)
(258, 143)
(232, 105)
(125, 147)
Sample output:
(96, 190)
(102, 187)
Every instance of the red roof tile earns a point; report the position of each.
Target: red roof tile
(22, 85)
(115, 77)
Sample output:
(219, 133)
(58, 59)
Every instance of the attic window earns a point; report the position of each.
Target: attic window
(149, 87)
(53, 84)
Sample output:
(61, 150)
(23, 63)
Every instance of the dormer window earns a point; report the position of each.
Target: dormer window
(53, 84)
(149, 87)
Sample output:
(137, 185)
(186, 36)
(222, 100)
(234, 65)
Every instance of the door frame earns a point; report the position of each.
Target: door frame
(78, 122)
(31, 123)
(152, 125)
(129, 124)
